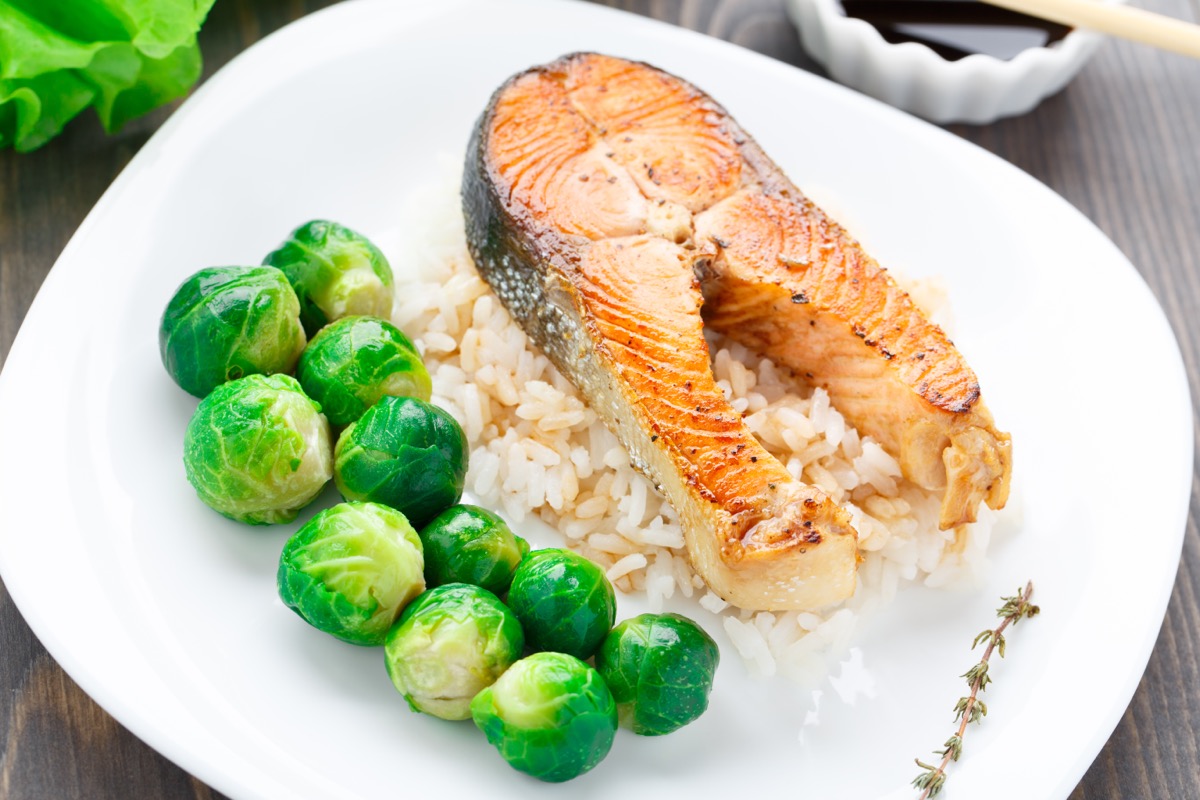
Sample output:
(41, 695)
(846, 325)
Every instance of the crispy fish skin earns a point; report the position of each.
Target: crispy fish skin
(602, 278)
(782, 278)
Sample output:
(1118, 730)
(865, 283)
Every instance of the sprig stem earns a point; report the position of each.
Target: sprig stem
(970, 708)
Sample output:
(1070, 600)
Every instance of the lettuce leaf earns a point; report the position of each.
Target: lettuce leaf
(120, 57)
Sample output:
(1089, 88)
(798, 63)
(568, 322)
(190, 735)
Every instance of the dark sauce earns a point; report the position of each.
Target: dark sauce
(955, 29)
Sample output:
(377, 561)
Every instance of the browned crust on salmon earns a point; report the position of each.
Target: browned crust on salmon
(636, 350)
(784, 279)
(789, 283)
(606, 201)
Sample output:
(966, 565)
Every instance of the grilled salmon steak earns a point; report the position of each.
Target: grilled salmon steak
(608, 204)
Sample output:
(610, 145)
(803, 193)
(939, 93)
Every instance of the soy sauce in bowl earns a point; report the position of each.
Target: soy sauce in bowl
(955, 29)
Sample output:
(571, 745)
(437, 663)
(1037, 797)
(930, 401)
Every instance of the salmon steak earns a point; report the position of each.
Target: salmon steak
(616, 210)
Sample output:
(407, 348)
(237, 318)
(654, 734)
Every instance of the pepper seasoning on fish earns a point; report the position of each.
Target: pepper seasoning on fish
(596, 190)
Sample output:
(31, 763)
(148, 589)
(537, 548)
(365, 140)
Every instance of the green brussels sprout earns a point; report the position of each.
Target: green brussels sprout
(564, 602)
(227, 322)
(351, 570)
(257, 449)
(404, 453)
(449, 644)
(336, 273)
(550, 716)
(469, 544)
(353, 362)
(660, 669)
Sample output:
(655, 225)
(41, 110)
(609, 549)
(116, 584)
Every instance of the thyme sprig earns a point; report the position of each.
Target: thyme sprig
(970, 708)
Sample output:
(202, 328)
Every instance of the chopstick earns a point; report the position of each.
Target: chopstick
(1122, 21)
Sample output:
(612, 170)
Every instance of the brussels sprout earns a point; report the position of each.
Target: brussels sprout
(564, 602)
(550, 715)
(452, 642)
(660, 669)
(351, 569)
(353, 362)
(405, 453)
(227, 322)
(335, 272)
(469, 544)
(257, 449)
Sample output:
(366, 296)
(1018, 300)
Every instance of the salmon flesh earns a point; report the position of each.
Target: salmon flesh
(609, 204)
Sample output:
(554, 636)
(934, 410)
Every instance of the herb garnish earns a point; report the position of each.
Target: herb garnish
(971, 709)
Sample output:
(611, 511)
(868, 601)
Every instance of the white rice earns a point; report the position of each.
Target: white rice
(538, 450)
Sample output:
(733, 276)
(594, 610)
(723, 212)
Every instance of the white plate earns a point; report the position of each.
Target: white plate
(167, 615)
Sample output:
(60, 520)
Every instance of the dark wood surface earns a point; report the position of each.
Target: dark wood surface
(1120, 144)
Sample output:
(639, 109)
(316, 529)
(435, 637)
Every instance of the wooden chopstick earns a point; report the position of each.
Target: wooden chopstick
(1122, 21)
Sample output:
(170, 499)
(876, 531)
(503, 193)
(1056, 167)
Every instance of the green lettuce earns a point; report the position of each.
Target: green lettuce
(120, 57)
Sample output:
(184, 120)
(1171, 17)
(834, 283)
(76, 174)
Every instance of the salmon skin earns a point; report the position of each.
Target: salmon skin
(606, 203)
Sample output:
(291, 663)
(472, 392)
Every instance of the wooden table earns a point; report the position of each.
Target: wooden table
(1119, 144)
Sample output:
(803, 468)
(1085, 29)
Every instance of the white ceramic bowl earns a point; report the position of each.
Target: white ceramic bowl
(975, 89)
